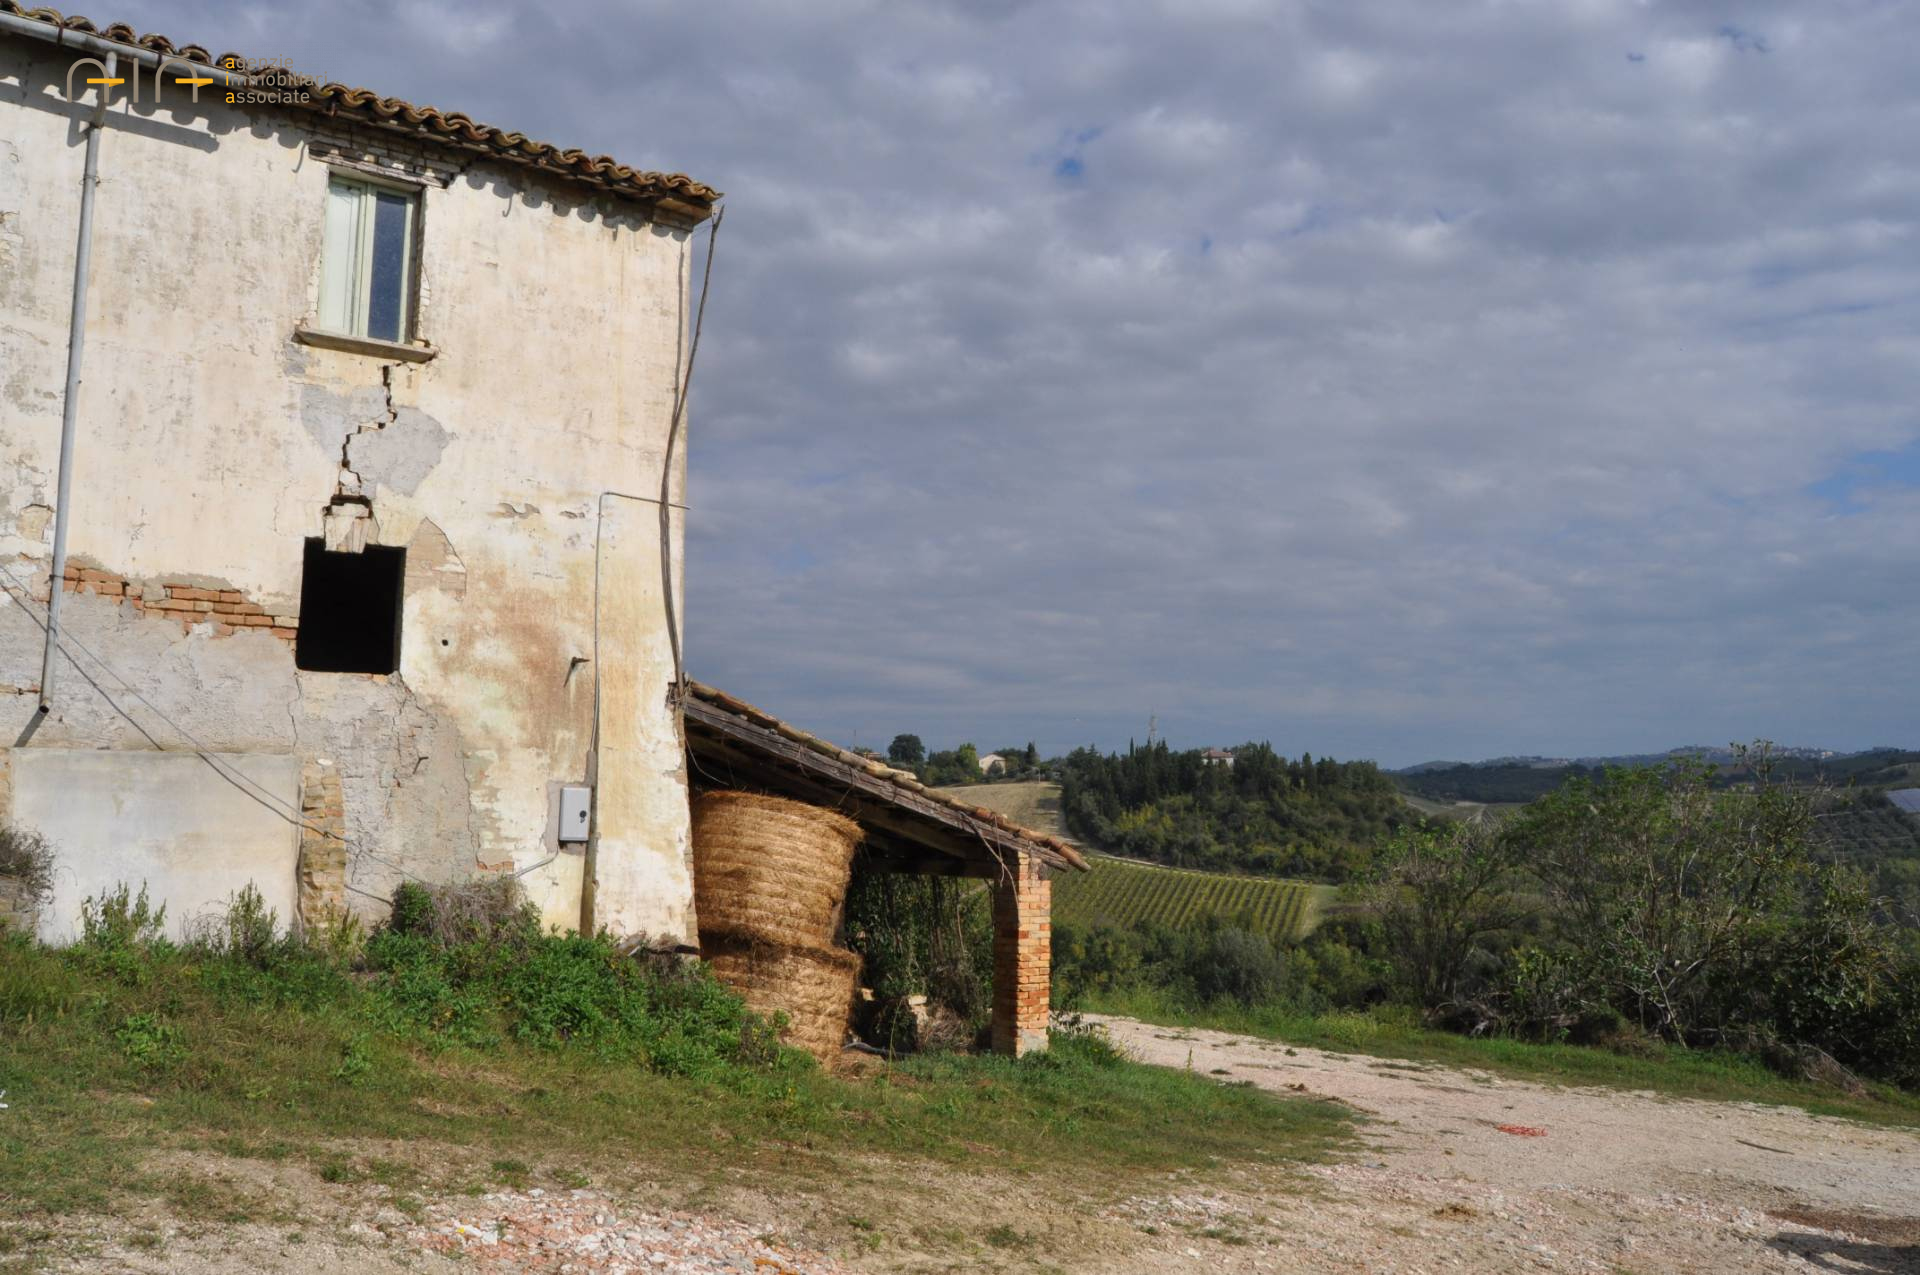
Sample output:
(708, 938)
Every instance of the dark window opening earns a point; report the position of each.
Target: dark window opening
(350, 610)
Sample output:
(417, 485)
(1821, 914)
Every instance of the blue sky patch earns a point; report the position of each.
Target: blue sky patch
(1865, 471)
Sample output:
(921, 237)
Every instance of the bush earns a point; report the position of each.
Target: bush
(501, 979)
(247, 929)
(27, 860)
(924, 936)
(119, 932)
(412, 909)
(483, 910)
(1233, 964)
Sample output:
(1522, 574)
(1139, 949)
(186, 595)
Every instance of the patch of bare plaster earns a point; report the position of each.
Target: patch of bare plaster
(294, 360)
(12, 241)
(400, 455)
(433, 564)
(511, 509)
(403, 778)
(332, 418)
(31, 523)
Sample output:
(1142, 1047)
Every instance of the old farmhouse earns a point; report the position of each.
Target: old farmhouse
(342, 498)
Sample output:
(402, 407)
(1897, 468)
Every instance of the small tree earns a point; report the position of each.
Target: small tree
(906, 750)
(1441, 891)
(1668, 884)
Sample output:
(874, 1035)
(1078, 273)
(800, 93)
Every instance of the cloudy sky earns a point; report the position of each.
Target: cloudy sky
(1395, 379)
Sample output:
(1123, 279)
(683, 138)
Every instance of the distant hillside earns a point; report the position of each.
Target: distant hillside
(1261, 813)
(1437, 809)
(1034, 804)
(1524, 779)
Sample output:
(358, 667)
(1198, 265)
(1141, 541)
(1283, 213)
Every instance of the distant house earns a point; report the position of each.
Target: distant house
(1218, 757)
(991, 760)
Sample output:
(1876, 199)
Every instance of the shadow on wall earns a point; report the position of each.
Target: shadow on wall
(39, 85)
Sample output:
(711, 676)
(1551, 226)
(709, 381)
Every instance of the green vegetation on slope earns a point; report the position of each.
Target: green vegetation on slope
(1120, 893)
(1867, 832)
(555, 1056)
(1264, 814)
(1646, 910)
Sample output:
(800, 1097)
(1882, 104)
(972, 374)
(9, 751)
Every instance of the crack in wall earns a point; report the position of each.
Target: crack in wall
(350, 482)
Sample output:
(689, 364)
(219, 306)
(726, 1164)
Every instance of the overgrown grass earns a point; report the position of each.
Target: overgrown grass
(1391, 1033)
(559, 1067)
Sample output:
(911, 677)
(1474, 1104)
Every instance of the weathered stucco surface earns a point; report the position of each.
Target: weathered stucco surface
(172, 821)
(211, 442)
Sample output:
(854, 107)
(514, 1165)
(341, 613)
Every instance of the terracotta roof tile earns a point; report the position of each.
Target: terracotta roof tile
(446, 128)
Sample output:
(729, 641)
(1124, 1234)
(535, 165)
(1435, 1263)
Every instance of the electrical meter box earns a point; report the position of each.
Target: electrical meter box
(576, 812)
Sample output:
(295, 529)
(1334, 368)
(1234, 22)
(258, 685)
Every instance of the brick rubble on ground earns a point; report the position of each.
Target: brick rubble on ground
(585, 1231)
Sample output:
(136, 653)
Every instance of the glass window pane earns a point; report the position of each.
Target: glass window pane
(339, 261)
(387, 289)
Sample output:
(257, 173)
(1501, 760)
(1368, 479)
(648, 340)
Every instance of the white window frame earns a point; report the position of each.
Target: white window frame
(346, 256)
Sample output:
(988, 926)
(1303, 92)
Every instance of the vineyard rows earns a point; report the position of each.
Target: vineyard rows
(1118, 893)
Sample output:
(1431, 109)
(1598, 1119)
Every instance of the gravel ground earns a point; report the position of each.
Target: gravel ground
(1462, 1170)
(587, 1231)
(1456, 1171)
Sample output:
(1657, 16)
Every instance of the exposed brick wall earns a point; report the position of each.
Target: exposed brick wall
(323, 849)
(228, 609)
(385, 149)
(1022, 958)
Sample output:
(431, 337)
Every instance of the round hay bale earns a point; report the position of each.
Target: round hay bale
(812, 986)
(771, 867)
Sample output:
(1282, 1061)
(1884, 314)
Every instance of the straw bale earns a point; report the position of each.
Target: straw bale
(812, 986)
(775, 867)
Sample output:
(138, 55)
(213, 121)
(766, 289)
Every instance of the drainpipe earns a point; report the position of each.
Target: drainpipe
(70, 408)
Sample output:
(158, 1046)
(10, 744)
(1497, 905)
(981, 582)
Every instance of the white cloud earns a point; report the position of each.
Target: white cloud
(1401, 379)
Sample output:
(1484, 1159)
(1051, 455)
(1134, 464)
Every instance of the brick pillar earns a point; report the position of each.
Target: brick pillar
(323, 850)
(1022, 958)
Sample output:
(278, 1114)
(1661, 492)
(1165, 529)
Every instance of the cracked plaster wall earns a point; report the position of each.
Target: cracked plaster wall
(210, 445)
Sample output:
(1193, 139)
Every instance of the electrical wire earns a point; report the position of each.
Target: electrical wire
(249, 788)
(666, 463)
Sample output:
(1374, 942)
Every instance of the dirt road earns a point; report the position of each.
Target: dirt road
(1465, 1171)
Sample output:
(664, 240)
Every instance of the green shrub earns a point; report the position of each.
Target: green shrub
(1232, 964)
(35, 984)
(412, 910)
(27, 859)
(1073, 1040)
(339, 937)
(119, 934)
(247, 929)
(356, 1060)
(148, 1040)
(119, 920)
(924, 936)
(496, 977)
